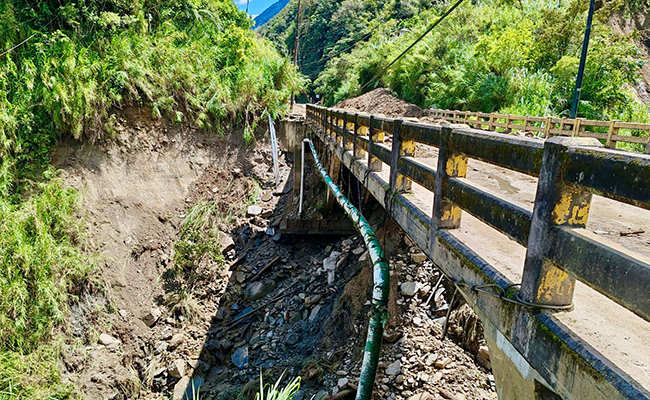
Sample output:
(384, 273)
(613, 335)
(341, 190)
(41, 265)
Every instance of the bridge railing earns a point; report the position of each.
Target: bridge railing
(569, 170)
(607, 131)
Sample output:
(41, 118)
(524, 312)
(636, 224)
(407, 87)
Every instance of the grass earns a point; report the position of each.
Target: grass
(199, 237)
(42, 270)
(42, 264)
(275, 392)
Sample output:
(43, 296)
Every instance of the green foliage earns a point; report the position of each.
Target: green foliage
(194, 61)
(41, 264)
(332, 27)
(274, 392)
(65, 69)
(199, 237)
(33, 376)
(42, 269)
(495, 55)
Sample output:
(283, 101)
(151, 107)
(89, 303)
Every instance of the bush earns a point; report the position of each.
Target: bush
(498, 56)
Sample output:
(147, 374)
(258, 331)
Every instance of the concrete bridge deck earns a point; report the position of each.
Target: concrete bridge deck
(599, 349)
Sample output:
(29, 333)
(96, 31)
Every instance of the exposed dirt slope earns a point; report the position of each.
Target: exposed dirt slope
(163, 334)
(382, 101)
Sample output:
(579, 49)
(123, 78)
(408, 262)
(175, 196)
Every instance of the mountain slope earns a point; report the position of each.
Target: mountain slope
(489, 55)
(334, 26)
(270, 12)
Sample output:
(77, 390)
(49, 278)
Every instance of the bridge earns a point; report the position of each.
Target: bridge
(565, 310)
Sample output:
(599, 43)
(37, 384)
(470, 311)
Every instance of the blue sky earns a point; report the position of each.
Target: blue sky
(255, 7)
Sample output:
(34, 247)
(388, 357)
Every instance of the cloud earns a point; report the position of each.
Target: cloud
(240, 2)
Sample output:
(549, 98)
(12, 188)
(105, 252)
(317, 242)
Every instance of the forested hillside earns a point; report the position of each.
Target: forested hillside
(66, 70)
(518, 57)
(270, 12)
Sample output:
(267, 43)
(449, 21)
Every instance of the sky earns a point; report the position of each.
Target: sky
(255, 7)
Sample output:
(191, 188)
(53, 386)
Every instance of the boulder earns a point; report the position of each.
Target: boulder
(254, 211)
(109, 341)
(226, 242)
(418, 257)
(483, 357)
(180, 388)
(258, 290)
(176, 341)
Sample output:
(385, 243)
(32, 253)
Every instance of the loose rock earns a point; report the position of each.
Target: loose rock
(394, 368)
(177, 369)
(152, 316)
(409, 288)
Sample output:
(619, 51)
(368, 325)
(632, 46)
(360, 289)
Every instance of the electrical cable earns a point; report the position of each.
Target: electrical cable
(26, 40)
(329, 57)
(432, 27)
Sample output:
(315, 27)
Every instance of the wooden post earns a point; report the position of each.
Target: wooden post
(576, 127)
(374, 136)
(401, 148)
(547, 127)
(328, 122)
(491, 122)
(451, 164)
(507, 123)
(613, 130)
(344, 133)
(556, 204)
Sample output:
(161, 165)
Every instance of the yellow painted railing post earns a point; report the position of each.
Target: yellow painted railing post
(451, 164)
(374, 136)
(401, 148)
(348, 139)
(556, 204)
(356, 149)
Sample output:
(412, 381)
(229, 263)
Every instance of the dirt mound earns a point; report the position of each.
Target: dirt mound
(382, 101)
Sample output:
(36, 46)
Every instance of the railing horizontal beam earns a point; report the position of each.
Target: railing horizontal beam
(517, 153)
(612, 270)
(615, 174)
(416, 171)
(502, 215)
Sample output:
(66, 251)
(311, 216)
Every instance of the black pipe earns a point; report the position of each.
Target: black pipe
(583, 61)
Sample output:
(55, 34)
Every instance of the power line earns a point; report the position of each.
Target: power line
(18, 45)
(432, 27)
(26, 40)
(329, 57)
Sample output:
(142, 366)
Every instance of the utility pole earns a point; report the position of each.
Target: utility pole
(583, 61)
(295, 50)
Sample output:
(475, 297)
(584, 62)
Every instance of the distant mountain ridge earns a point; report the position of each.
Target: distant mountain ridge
(270, 12)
